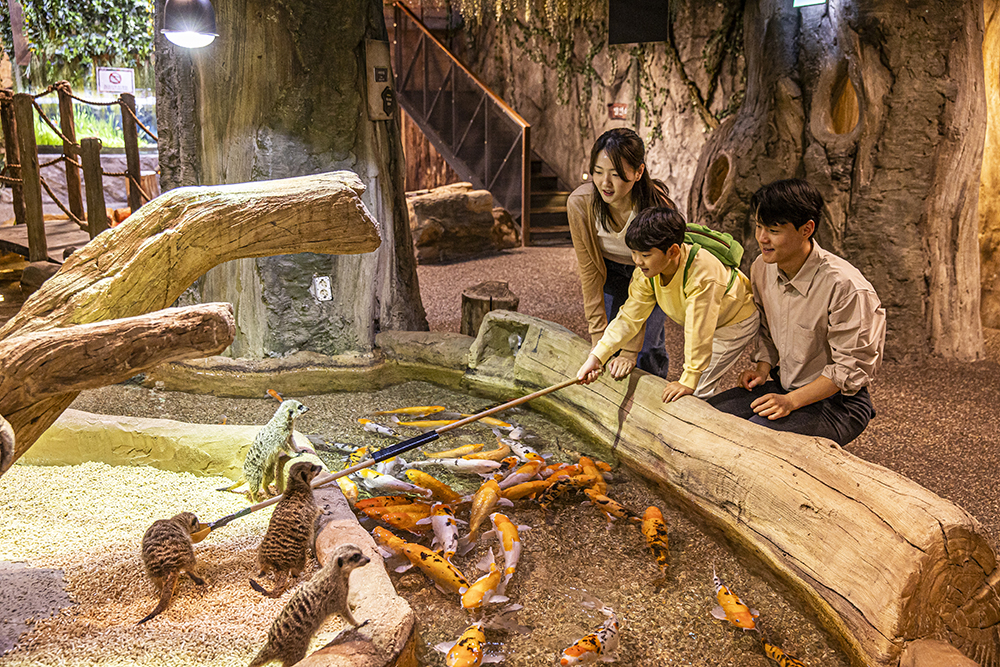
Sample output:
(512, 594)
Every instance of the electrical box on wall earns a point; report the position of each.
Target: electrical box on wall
(381, 97)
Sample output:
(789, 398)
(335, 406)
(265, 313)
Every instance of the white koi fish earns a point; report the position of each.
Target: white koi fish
(374, 427)
(510, 545)
(468, 650)
(600, 645)
(525, 473)
(376, 481)
(471, 466)
(445, 526)
(520, 449)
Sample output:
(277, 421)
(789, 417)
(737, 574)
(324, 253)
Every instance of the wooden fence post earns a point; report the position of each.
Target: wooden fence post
(131, 134)
(93, 177)
(68, 126)
(13, 155)
(24, 118)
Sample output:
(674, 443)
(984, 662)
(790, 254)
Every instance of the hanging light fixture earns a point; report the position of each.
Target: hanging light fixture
(189, 23)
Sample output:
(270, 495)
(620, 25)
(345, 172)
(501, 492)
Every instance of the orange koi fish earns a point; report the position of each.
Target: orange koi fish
(421, 509)
(561, 468)
(654, 528)
(600, 645)
(456, 453)
(780, 657)
(612, 509)
(426, 423)
(382, 501)
(486, 589)
(731, 608)
(525, 473)
(492, 421)
(446, 577)
(590, 468)
(417, 410)
(376, 481)
(439, 489)
(468, 650)
(275, 395)
(506, 465)
(498, 454)
(388, 543)
(405, 521)
(485, 499)
(560, 485)
(349, 489)
(526, 489)
(510, 545)
(442, 520)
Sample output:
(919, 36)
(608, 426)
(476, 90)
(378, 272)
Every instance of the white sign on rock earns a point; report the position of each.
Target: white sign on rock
(115, 80)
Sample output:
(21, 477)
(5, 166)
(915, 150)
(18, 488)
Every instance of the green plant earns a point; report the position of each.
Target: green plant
(104, 126)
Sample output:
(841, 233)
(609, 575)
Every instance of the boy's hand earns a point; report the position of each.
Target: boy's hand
(591, 370)
(619, 367)
(675, 390)
(756, 376)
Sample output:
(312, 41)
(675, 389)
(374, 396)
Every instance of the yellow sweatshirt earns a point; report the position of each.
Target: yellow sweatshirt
(702, 305)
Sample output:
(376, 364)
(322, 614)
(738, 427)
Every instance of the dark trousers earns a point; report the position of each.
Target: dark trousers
(839, 418)
(653, 357)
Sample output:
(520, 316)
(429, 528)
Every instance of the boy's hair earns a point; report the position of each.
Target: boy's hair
(655, 227)
(792, 200)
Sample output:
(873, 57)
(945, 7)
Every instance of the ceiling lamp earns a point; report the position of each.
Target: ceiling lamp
(189, 23)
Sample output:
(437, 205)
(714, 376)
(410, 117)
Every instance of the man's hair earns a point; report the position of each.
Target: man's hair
(655, 227)
(792, 200)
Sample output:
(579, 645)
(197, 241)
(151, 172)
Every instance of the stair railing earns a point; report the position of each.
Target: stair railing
(478, 134)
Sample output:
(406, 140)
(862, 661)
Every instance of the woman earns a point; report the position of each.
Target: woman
(599, 214)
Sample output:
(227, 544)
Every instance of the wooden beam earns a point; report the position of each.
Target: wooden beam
(31, 186)
(93, 176)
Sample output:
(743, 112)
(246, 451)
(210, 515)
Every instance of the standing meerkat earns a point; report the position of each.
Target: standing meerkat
(272, 440)
(324, 594)
(290, 530)
(167, 552)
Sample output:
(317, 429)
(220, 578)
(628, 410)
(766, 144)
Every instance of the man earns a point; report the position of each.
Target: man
(820, 319)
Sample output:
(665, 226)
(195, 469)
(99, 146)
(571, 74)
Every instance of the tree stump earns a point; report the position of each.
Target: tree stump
(481, 299)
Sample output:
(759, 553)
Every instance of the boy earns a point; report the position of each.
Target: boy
(820, 319)
(712, 302)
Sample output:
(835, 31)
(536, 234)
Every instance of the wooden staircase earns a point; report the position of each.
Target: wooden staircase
(549, 225)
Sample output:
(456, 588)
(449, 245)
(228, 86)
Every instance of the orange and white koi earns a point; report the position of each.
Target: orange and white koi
(590, 468)
(506, 465)
(611, 509)
(561, 468)
(376, 481)
(486, 589)
(483, 501)
(600, 645)
(442, 520)
(456, 453)
(417, 410)
(510, 545)
(520, 449)
(525, 473)
(654, 529)
(425, 423)
(471, 466)
(468, 650)
(375, 427)
(780, 657)
(502, 451)
(439, 489)
(731, 607)
(526, 489)
(492, 421)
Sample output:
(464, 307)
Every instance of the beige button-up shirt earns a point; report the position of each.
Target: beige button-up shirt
(827, 320)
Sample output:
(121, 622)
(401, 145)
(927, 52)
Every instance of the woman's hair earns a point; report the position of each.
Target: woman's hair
(658, 227)
(624, 147)
(792, 200)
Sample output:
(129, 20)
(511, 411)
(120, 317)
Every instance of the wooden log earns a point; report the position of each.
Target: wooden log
(93, 176)
(31, 186)
(481, 299)
(42, 364)
(13, 155)
(67, 124)
(881, 560)
(146, 262)
(130, 133)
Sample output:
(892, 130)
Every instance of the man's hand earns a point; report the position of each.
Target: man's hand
(756, 376)
(591, 370)
(619, 367)
(675, 390)
(774, 406)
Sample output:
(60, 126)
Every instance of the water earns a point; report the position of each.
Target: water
(566, 552)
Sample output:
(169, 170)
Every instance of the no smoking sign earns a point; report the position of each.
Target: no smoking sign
(115, 80)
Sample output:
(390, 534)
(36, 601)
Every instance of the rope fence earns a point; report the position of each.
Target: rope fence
(69, 214)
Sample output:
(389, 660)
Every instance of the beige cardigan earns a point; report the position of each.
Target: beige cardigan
(593, 272)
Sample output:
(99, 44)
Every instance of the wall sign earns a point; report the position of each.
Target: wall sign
(115, 80)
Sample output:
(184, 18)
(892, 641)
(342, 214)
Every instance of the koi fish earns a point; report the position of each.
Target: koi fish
(654, 528)
(526, 489)
(600, 645)
(374, 427)
(442, 520)
(506, 465)
(405, 521)
(498, 454)
(590, 468)
(485, 589)
(519, 448)
(561, 468)
(387, 543)
(525, 473)
(483, 501)
(780, 657)
(421, 509)
(426, 423)
(349, 489)
(510, 545)
(382, 501)
(472, 466)
(456, 453)
(446, 577)
(376, 481)
(612, 509)
(491, 421)
(561, 485)
(439, 489)
(417, 410)
(468, 650)
(275, 395)
(731, 608)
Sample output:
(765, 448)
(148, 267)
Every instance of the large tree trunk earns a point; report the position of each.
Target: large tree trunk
(881, 106)
(989, 190)
(282, 93)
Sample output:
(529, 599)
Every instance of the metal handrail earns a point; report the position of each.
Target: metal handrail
(505, 136)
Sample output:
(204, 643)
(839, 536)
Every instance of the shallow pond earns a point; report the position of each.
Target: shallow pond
(567, 551)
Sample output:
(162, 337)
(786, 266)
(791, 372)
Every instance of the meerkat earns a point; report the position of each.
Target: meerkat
(283, 467)
(326, 593)
(290, 530)
(167, 552)
(274, 439)
(6, 445)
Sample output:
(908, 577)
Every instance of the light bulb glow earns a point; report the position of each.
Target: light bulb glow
(188, 39)
(806, 3)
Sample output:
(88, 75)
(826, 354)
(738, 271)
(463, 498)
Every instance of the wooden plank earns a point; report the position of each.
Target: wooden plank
(24, 116)
(68, 126)
(93, 176)
(59, 234)
(13, 155)
(130, 132)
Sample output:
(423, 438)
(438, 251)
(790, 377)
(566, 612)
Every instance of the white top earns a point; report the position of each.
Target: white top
(613, 243)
